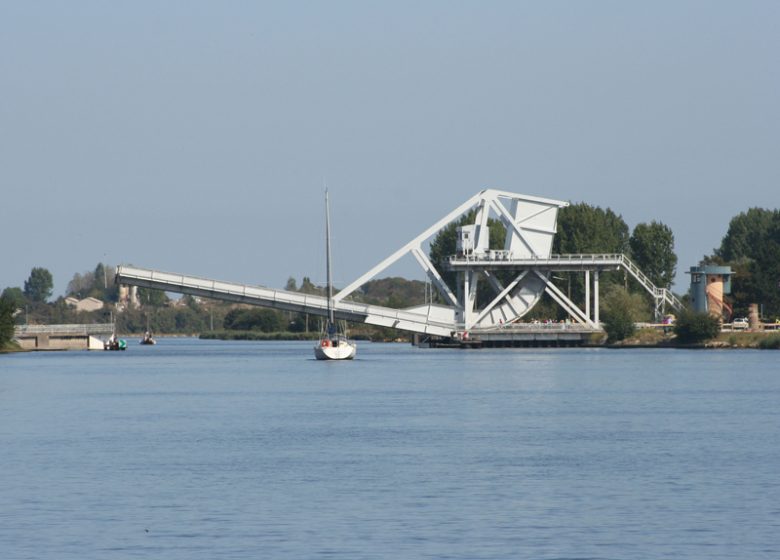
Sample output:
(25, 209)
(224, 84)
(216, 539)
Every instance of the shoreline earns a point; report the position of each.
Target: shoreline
(724, 341)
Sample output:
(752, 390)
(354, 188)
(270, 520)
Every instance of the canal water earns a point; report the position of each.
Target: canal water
(209, 450)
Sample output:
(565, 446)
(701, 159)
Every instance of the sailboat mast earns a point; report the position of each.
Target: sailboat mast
(331, 314)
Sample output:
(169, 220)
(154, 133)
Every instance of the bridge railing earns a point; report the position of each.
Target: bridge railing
(67, 329)
(508, 256)
(536, 327)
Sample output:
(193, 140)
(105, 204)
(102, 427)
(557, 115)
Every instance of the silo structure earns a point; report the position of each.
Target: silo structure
(708, 286)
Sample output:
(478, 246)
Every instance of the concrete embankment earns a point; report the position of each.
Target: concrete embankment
(62, 337)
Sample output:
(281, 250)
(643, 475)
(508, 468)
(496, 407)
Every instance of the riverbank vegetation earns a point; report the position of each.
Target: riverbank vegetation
(7, 309)
(695, 328)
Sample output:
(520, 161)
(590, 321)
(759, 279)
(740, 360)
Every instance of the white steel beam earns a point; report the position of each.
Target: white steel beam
(596, 309)
(435, 277)
(416, 242)
(587, 293)
(564, 301)
(503, 294)
(499, 208)
(498, 288)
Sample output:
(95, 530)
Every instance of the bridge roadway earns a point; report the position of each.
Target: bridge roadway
(429, 319)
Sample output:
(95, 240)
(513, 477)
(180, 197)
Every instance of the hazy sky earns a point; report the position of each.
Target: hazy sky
(195, 137)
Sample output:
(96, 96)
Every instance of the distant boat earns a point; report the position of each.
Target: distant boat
(148, 338)
(114, 343)
(332, 345)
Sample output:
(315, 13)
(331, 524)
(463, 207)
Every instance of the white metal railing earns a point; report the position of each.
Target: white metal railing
(661, 295)
(536, 327)
(508, 256)
(75, 330)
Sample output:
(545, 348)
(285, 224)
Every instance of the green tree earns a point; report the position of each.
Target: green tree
(105, 286)
(187, 319)
(583, 228)
(764, 272)
(16, 296)
(7, 308)
(308, 287)
(693, 328)
(152, 297)
(746, 232)
(393, 292)
(100, 284)
(38, 287)
(298, 323)
(751, 248)
(621, 311)
(81, 284)
(265, 320)
(652, 249)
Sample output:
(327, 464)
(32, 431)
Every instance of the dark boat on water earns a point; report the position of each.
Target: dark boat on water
(115, 343)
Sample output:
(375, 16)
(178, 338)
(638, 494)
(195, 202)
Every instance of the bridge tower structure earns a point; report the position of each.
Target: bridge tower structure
(530, 224)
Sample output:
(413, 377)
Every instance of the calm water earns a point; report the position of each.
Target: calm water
(194, 449)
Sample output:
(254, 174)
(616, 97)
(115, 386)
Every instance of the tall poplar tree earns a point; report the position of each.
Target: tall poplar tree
(652, 250)
(38, 287)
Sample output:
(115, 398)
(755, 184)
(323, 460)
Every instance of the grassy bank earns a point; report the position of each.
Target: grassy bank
(761, 340)
(256, 335)
(376, 336)
(654, 338)
(10, 347)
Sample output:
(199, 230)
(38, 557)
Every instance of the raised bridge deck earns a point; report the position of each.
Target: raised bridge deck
(421, 320)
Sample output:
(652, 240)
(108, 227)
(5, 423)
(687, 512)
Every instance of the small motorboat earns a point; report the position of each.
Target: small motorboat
(115, 343)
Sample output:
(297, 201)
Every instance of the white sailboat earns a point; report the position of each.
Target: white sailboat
(332, 344)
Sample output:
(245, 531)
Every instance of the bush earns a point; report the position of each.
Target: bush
(619, 324)
(256, 335)
(265, 320)
(622, 310)
(693, 328)
(7, 309)
(771, 342)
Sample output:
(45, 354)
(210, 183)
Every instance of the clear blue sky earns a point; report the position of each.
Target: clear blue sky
(194, 137)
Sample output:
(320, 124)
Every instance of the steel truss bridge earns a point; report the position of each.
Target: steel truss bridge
(530, 224)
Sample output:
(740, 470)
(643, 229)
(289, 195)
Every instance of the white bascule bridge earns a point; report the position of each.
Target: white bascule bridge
(526, 264)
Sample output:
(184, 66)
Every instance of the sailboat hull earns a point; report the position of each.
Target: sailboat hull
(344, 351)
